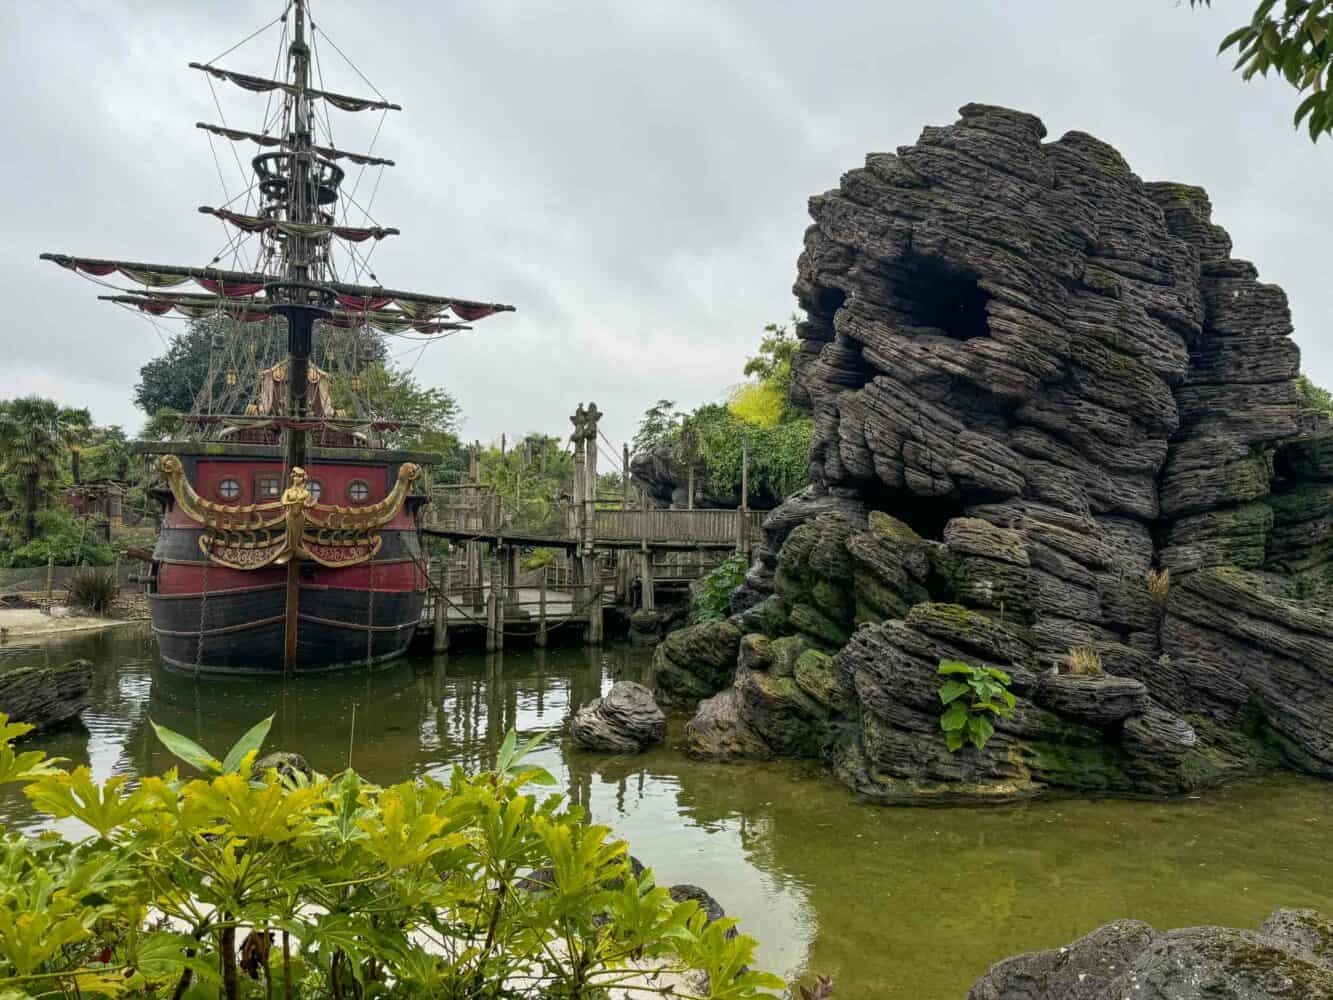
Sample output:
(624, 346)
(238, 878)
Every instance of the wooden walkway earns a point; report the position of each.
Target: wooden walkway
(607, 545)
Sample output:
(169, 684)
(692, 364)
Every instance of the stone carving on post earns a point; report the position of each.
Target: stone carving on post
(584, 439)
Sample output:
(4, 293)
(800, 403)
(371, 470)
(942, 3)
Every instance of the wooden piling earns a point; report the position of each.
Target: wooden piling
(499, 590)
(648, 598)
(441, 633)
(743, 514)
(540, 641)
(491, 625)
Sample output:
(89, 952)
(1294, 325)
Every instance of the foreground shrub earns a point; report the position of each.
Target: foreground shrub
(334, 887)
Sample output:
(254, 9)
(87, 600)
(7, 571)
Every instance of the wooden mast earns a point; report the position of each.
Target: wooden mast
(300, 311)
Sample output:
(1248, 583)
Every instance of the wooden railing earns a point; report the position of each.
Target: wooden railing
(704, 526)
(477, 509)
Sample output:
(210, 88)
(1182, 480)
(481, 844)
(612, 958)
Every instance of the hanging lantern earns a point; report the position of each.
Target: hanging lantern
(356, 383)
(231, 376)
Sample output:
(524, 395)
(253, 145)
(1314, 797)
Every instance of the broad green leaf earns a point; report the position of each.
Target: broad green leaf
(533, 773)
(952, 690)
(506, 753)
(252, 740)
(187, 749)
(980, 730)
(955, 717)
(953, 667)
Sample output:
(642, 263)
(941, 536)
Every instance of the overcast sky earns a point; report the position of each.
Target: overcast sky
(632, 175)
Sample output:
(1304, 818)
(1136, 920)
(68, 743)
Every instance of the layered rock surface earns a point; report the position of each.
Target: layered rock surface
(1035, 379)
(1291, 955)
(46, 696)
(625, 720)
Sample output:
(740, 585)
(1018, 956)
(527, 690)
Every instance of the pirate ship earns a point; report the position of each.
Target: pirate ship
(290, 537)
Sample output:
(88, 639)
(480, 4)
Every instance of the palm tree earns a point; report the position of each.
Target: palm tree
(35, 433)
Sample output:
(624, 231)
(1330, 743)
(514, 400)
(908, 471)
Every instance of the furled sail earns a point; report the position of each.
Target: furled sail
(305, 230)
(260, 85)
(246, 284)
(272, 142)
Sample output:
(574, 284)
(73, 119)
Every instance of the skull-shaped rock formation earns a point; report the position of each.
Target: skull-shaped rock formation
(1052, 413)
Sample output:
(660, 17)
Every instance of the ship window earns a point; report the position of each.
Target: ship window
(268, 486)
(229, 489)
(358, 491)
(315, 487)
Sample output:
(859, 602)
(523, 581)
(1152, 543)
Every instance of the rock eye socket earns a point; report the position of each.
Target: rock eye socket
(943, 298)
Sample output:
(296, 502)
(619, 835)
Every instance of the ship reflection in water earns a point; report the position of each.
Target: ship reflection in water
(892, 902)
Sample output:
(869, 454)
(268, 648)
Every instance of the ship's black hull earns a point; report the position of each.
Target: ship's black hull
(243, 631)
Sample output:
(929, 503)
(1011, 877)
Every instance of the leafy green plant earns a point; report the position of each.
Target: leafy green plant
(972, 697)
(93, 589)
(1291, 38)
(242, 883)
(62, 538)
(712, 598)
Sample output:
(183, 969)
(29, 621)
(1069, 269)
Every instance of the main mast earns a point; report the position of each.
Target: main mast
(301, 208)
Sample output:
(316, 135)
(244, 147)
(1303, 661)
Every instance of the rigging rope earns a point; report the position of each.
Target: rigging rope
(281, 17)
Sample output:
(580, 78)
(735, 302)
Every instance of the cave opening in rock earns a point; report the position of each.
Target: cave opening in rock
(927, 516)
(945, 297)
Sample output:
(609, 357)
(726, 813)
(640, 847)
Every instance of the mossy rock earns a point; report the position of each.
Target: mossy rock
(775, 616)
(888, 528)
(814, 675)
(696, 662)
(785, 652)
(821, 629)
(834, 601)
(995, 643)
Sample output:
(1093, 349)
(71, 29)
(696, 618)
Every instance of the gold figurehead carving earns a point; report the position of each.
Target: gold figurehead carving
(295, 526)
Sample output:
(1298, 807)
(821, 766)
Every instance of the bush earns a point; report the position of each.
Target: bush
(712, 598)
(333, 887)
(64, 539)
(93, 589)
(536, 559)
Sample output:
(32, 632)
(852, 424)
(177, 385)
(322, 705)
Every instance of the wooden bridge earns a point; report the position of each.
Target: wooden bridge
(608, 546)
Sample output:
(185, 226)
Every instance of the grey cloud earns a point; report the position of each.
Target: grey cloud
(632, 176)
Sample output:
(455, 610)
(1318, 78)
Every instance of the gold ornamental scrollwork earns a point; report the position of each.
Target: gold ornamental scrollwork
(252, 536)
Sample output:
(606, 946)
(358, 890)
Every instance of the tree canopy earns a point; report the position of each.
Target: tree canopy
(1293, 38)
(197, 361)
(758, 417)
(35, 439)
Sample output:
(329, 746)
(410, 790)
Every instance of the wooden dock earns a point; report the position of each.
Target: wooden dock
(608, 546)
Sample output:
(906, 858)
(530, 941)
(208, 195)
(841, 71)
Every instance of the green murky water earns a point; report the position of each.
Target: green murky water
(911, 903)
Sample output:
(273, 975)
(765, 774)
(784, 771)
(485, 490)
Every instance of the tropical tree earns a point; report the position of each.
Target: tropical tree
(659, 420)
(758, 420)
(35, 437)
(1295, 39)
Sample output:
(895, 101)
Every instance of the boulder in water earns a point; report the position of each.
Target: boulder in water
(627, 720)
(1290, 956)
(46, 696)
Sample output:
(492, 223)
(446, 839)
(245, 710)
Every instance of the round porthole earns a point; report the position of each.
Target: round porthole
(315, 487)
(358, 491)
(229, 489)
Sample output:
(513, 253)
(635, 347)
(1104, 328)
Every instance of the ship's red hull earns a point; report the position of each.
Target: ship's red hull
(214, 619)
